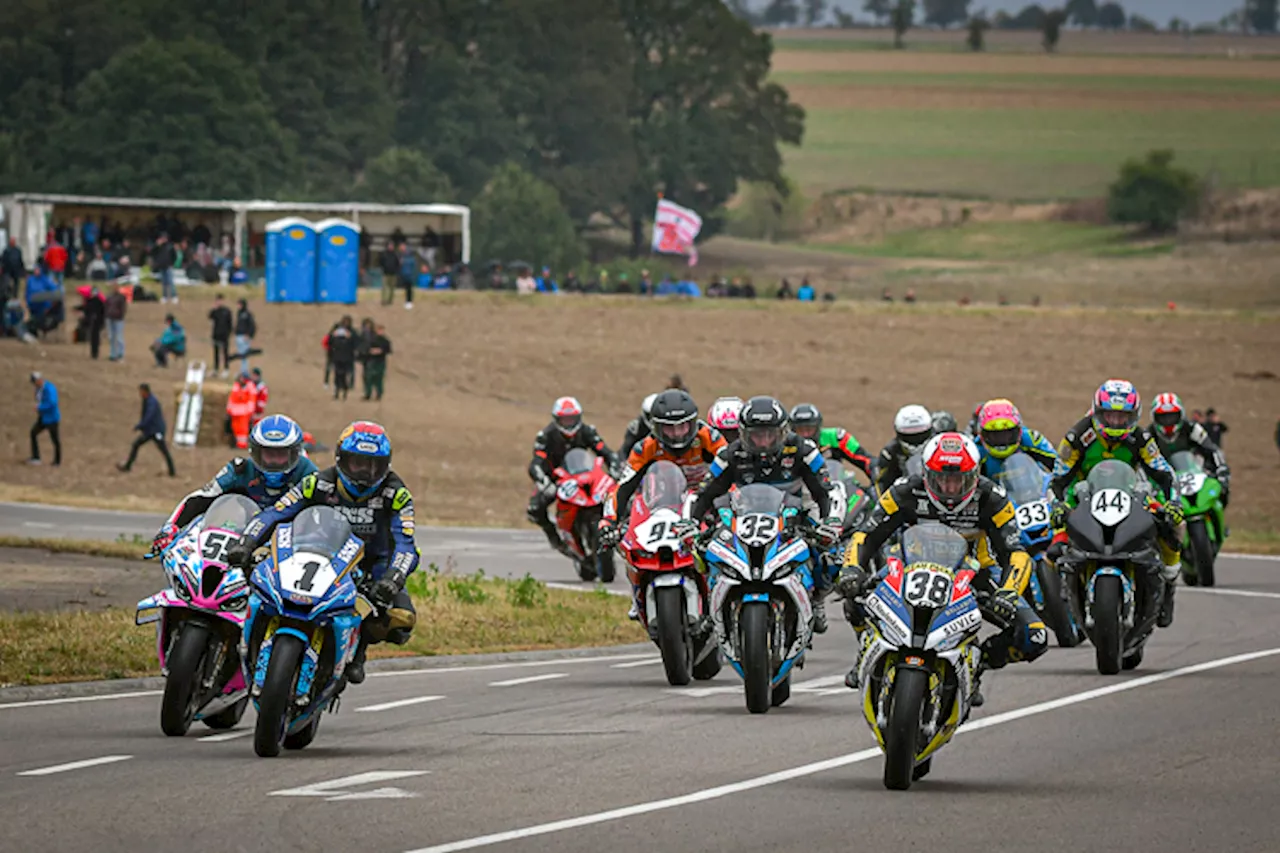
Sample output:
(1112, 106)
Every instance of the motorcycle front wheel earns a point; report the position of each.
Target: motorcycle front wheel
(754, 648)
(673, 635)
(910, 686)
(1107, 635)
(1055, 610)
(277, 695)
(182, 687)
(1201, 551)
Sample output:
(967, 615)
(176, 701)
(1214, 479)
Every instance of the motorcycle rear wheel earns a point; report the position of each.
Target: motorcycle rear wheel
(1201, 551)
(227, 717)
(910, 687)
(1107, 636)
(182, 687)
(754, 648)
(673, 635)
(277, 695)
(607, 571)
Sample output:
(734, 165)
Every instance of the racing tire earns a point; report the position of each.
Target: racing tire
(673, 635)
(607, 572)
(753, 629)
(277, 695)
(302, 738)
(227, 717)
(1131, 660)
(910, 687)
(182, 687)
(709, 667)
(781, 693)
(1107, 636)
(1056, 614)
(1201, 551)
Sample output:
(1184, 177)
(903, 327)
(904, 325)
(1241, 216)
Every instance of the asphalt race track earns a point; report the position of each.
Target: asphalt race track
(597, 753)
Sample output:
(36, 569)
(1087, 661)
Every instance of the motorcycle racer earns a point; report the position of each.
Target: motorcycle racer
(952, 491)
(1111, 431)
(276, 463)
(565, 432)
(639, 428)
(1001, 434)
(912, 427)
(375, 501)
(724, 416)
(1174, 433)
(834, 442)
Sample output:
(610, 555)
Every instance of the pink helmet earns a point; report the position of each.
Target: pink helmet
(1000, 427)
(724, 414)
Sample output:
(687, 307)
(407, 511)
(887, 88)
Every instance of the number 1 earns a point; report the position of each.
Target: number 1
(306, 582)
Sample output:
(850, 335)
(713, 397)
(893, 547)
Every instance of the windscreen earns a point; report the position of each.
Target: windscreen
(664, 486)
(1185, 462)
(758, 498)
(1022, 478)
(229, 512)
(579, 461)
(1112, 474)
(933, 543)
(320, 530)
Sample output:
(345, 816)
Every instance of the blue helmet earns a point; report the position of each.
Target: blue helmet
(364, 458)
(275, 446)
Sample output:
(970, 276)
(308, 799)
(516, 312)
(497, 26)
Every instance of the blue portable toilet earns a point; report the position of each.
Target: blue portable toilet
(338, 271)
(291, 260)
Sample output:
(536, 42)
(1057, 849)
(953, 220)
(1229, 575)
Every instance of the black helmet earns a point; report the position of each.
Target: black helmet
(674, 420)
(763, 426)
(806, 420)
(944, 421)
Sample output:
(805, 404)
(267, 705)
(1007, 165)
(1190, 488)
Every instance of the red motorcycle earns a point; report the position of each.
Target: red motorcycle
(583, 485)
(671, 593)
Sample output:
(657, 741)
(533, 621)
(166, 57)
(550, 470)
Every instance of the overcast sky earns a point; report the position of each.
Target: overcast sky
(1160, 11)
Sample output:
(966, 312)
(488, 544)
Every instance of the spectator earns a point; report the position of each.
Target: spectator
(677, 383)
(89, 236)
(117, 305)
(646, 283)
(375, 364)
(717, 289)
(242, 402)
(430, 246)
(12, 270)
(464, 279)
(342, 349)
(220, 317)
(94, 310)
(55, 261)
(623, 285)
(828, 297)
(150, 427)
(163, 258)
(1197, 417)
(48, 419)
(124, 269)
(262, 396)
(172, 341)
(1214, 426)
(408, 273)
(328, 355)
(886, 296)
(734, 290)
(572, 283)
(748, 290)
(389, 263)
(238, 274)
(910, 296)
(546, 282)
(784, 290)
(246, 330)
(525, 283)
(806, 292)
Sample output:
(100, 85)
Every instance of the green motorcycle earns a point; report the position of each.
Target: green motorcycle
(1202, 508)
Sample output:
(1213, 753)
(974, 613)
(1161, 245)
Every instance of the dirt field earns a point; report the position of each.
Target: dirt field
(472, 376)
(35, 579)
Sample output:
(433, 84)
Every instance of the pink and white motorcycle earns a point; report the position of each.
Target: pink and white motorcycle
(199, 620)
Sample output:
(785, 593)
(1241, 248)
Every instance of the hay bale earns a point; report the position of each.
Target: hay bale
(212, 416)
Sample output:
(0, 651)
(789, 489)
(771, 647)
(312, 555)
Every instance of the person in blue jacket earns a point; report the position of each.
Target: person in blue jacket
(150, 427)
(48, 417)
(805, 293)
(172, 341)
(1001, 433)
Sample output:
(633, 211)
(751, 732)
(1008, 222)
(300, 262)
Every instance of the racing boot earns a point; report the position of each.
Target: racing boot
(1165, 617)
(355, 670)
(634, 613)
(819, 616)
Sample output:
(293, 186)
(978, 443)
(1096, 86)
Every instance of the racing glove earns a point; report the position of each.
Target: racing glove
(610, 533)
(1173, 513)
(853, 582)
(1002, 608)
(386, 588)
(829, 530)
(240, 553)
(1058, 515)
(686, 528)
(163, 539)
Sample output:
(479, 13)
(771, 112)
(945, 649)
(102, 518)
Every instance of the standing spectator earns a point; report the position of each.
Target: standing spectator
(89, 236)
(246, 330)
(238, 273)
(375, 364)
(328, 356)
(55, 260)
(117, 305)
(646, 283)
(1214, 426)
(784, 291)
(389, 263)
(261, 396)
(172, 341)
(430, 246)
(241, 404)
(748, 290)
(1197, 417)
(342, 349)
(221, 318)
(150, 427)
(12, 270)
(408, 272)
(806, 292)
(95, 315)
(162, 261)
(525, 283)
(48, 417)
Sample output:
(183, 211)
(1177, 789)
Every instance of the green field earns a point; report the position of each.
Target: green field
(1005, 241)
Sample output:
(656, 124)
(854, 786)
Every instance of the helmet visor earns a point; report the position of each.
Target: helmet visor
(364, 471)
(809, 431)
(275, 459)
(762, 439)
(1168, 419)
(952, 485)
(568, 424)
(915, 439)
(676, 435)
(1002, 438)
(1118, 419)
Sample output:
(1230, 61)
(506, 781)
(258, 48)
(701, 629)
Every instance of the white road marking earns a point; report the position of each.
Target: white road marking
(583, 588)
(819, 685)
(220, 737)
(75, 765)
(530, 680)
(399, 703)
(816, 686)
(1243, 593)
(630, 664)
(66, 700)
(513, 665)
(830, 763)
(1236, 555)
(336, 789)
(45, 525)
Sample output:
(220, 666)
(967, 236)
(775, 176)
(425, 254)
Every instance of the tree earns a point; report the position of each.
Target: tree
(1262, 15)
(1051, 28)
(1082, 13)
(844, 20)
(1139, 24)
(767, 212)
(403, 176)
(879, 9)
(182, 120)
(780, 12)
(1111, 16)
(902, 16)
(519, 216)
(813, 11)
(1030, 18)
(944, 13)
(1153, 192)
(978, 26)
(1177, 25)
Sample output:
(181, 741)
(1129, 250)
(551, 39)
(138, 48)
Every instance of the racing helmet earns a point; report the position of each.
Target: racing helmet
(913, 426)
(943, 421)
(275, 447)
(1000, 428)
(763, 426)
(950, 471)
(646, 411)
(674, 420)
(567, 412)
(1116, 409)
(806, 421)
(1167, 413)
(724, 415)
(363, 458)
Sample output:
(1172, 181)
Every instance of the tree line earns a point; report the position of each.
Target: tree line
(591, 106)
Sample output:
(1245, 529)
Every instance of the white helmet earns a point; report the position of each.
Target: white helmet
(913, 426)
(724, 413)
(646, 410)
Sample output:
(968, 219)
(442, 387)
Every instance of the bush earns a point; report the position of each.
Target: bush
(469, 589)
(1153, 192)
(528, 592)
(520, 216)
(764, 213)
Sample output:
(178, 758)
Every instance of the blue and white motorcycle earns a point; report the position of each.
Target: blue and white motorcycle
(303, 626)
(759, 565)
(1028, 487)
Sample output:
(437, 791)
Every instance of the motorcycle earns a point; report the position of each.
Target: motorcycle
(847, 494)
(919, 658)
(583, 485)
(672, 592)
(1112, 566)
(1027, 485)
(198, 621)
(760, 591)
(1201, 496)
(303, 626)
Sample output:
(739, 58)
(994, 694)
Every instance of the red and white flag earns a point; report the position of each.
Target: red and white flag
(674, 230)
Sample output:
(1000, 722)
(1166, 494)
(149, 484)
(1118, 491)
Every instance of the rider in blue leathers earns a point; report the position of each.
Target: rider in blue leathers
(1001, 433)
(276, 463)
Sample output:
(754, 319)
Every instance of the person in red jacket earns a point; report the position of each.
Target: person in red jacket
(241, 403)
(260, 401)
(55, 258)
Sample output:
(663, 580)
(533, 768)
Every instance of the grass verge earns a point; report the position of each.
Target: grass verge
(457, 614)
(122, 548)
(1003, 241)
